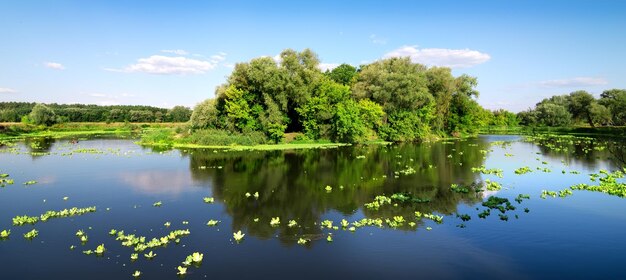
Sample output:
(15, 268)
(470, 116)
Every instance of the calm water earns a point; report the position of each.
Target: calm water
(578, 237)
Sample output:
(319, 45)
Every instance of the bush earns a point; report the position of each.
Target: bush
(42, 115)
(215, 137)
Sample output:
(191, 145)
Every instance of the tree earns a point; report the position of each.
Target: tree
(178, 114)
(42, 115)
(343, 74)
(615, 101)
(580, 105)
(205, 115)
(551, 114)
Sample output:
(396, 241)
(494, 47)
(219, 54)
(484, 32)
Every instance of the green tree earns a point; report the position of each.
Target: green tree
(580, 105)
(178, 114)
(42, 115)
(551, 114)
(205, 115)
(615, 101)
(343, 74)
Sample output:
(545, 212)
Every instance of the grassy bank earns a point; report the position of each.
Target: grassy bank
(19, 131)
(613, 131)
(224, 140)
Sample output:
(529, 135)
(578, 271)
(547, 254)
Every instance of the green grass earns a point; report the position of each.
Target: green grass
(619, 131)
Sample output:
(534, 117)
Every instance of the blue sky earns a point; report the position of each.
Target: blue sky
(167, 53)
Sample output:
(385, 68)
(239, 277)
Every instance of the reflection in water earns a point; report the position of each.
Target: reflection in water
(292, 184)
(157, 181)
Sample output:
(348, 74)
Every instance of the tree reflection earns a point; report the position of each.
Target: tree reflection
(291, 184)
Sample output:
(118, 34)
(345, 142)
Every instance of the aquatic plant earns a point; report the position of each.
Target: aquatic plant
(503, 217)
(150, 255)
(328, 188)
(167, 224)
(502, 204)
(275, 221)
(134, 256)
(521, 197)
(344, 223)
(292, 223)
(523, 170)
(136, 274)
(458, 189)
(208, 199)
(4, 234)
(464, 217)
(484, 214)
(197, 257)
(157, 204)
(31, 182)
(482, 169)
(492, 185)
(379, 201)
(100, 249)
(112, 232)
(256, 195)
(329, 238)
(436, 218)
(303, 241)
(31, 234)
(22, 220)
(212, 223)
(238, 236)
(181, 270)
(327, 224)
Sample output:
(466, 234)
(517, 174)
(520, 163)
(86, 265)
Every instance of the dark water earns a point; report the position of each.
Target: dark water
(578, 237)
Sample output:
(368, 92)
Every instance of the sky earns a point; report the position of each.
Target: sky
(168, 53)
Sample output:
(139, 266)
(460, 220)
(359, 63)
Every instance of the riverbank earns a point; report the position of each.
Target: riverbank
(612, 131)
(20, 131)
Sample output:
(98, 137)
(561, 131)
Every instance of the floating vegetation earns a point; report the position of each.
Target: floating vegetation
(484, 214)
(407, 171)
(292, 223)
(502, 204)
(608, 183)
(157, 204)
(303, 241)
(22, 220)
(545, 193)
(493, 171)
(140, 243)
(275, 221)
(136, 274)
(379, 201)
(327, 224)
(458, 189)
(212, 223)
(134, 257)
(31, 234)
(492, 185)
(545, 169)
(328, 189)
(238, 236)
(503, 217)
(521, 197)
(523, 170)
(32, 182)
(329, 238)
(150, 255)
(464, 217)
(4, 180)
(4, 234)
(407, 198)
(181, 270)
(208, 199)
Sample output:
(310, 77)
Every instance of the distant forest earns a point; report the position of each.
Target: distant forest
(16, 111)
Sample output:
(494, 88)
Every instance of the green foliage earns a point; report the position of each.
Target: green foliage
(213, 137)
(615, 101)
(177, 114)
(205, 115)
(42, 115)
(342, 74)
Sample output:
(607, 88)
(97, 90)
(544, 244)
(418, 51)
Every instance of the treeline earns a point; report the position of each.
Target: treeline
(54, 113)
(392, 99)
(576, 108)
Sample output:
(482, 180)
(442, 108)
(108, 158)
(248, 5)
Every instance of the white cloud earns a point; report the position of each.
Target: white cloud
(378, 40)
(167, 65)
(229, 65)
(7, 90)
(177, 52)
(460, 58)
(54, 65)
(327, 66)
(574, 82)
(95, 94)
